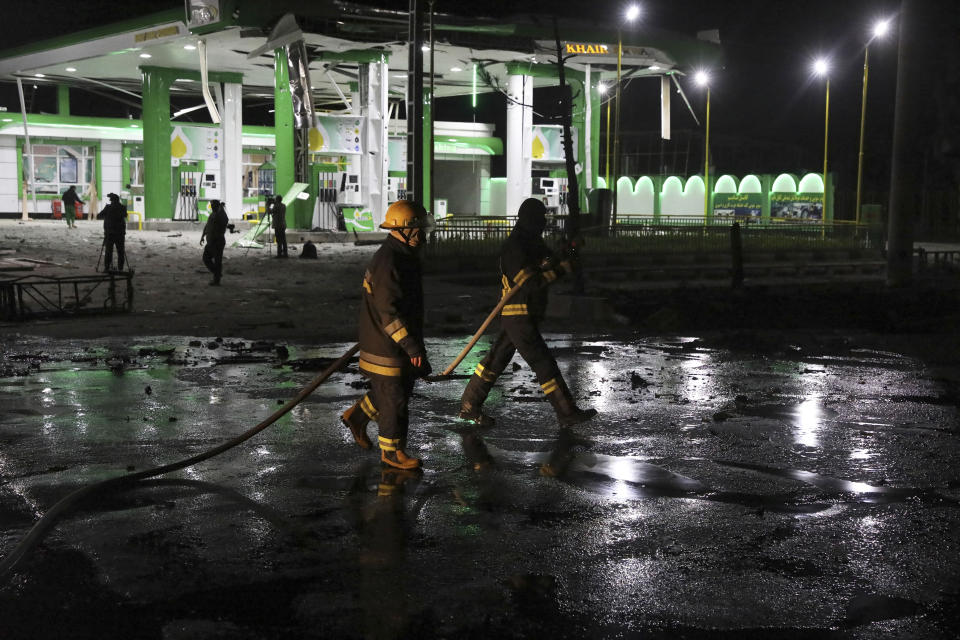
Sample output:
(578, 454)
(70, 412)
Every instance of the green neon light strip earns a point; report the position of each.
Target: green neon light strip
(491, 146)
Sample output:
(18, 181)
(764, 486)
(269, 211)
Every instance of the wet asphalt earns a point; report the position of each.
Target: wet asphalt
(722, 492)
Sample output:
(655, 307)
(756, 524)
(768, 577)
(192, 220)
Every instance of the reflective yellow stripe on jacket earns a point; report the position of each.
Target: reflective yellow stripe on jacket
(514, 310)
(523, 276)
(381, 365)
(396, 330)
(518, 279)
(393, 372)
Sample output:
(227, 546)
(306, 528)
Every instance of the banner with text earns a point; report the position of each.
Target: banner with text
(738, 205)
(195, 143)
(336, 135)
(796, 206)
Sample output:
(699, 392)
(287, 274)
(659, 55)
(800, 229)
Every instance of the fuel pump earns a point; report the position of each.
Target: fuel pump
(326, 214)
(187, 199)
(266, 185)
(396, 189)
(350, 188)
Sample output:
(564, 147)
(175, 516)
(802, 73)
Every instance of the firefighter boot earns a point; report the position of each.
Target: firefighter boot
(473, 396)
(356, 419)
(568, 413)
(402, 453)
(475, 451)
(392, 454)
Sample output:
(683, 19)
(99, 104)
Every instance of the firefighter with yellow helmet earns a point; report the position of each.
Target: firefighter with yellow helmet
(392, 352)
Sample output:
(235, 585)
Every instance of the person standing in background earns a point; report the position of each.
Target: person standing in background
(280, 225)
(114, 217)
(215, 231)
(70, 200)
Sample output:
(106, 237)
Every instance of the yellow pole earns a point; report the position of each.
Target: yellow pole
(863, 120)
(826, 126)
(706, 163)
(616, 128)
(607, 178)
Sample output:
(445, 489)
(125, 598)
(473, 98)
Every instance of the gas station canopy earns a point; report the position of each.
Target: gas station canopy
(470, 54)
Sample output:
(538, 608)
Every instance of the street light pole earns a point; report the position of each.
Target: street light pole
(633, 11)
(702, 78)
(879, 30)
(606, 179)
(706, 163)
(863, 120)
(821, 67)
(826, 128)
(616, 129)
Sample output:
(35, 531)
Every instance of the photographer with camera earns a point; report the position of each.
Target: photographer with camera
(114, 217)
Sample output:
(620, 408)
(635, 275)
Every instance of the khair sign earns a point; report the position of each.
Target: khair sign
(587, 49)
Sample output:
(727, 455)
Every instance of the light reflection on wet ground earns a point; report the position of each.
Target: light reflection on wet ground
(717, 491)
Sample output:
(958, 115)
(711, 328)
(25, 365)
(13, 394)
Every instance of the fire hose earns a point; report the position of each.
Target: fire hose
(47, 521)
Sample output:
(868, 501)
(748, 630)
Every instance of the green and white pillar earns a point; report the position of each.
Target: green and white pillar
(374, 165)
(519, 150)
(283, 128)
(231, 160)
(158, 196)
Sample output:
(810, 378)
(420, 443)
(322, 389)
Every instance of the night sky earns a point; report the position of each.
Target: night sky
(766, 109)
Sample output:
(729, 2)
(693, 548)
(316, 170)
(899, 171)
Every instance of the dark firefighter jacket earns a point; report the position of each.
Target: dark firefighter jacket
(216, 227)
(114, 219)
(525, 259)
(391, 310)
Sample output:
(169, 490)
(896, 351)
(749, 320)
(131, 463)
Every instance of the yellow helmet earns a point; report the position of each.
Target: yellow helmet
(404, 214)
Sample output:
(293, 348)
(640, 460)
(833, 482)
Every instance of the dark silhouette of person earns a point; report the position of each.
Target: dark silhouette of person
(70, 200)
(309, 250)
(114, 217)
(525, 260)
(280, 225)
(215, 231)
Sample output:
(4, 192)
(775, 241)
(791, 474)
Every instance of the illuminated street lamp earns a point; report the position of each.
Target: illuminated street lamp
(821, 67)
(631, 14)
(880, 29)
(702, 78)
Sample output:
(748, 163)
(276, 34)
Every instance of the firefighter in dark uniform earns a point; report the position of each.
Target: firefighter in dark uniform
(392, 353)
(525, 259)
(114, 217)
(215, 231)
